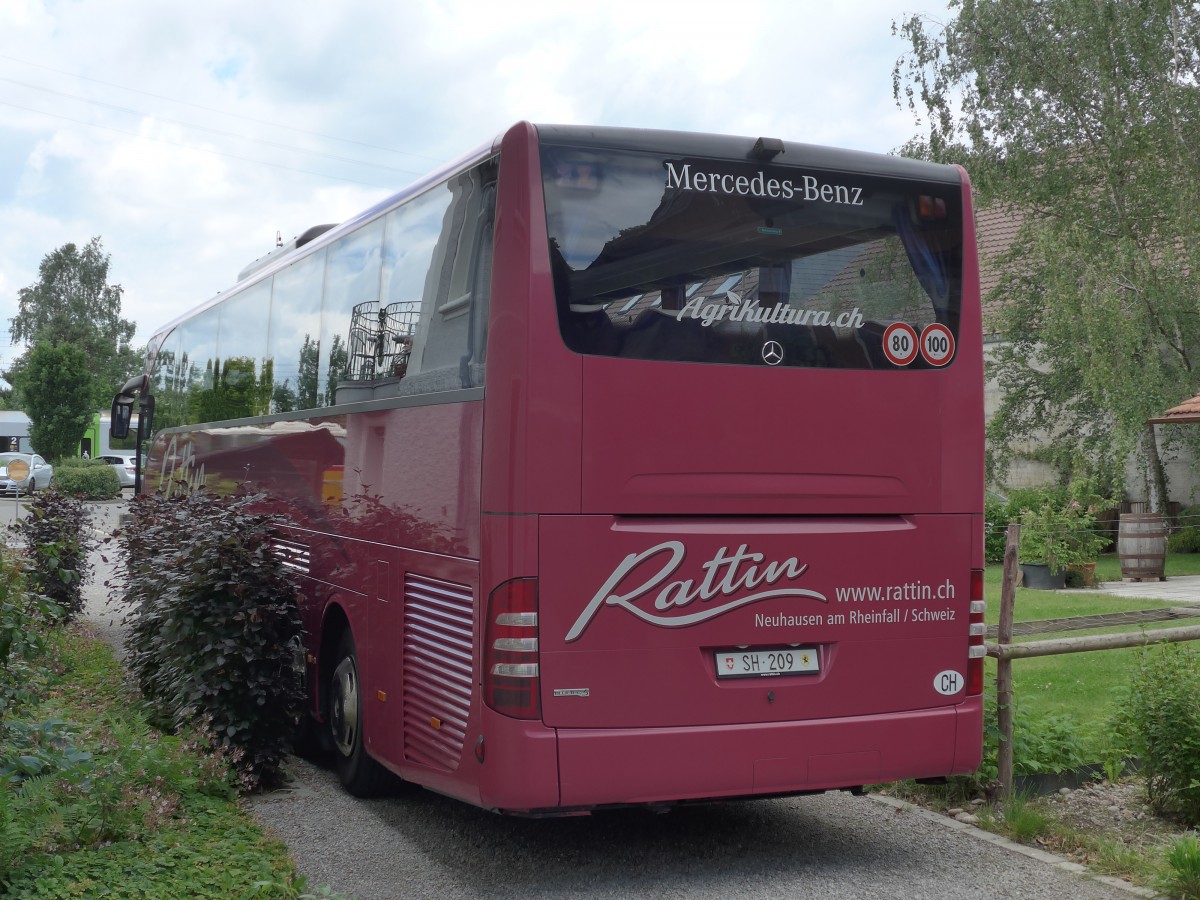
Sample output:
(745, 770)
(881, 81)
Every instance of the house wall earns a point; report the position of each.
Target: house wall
(1183, 472)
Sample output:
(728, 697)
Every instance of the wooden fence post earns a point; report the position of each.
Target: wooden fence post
(1004, 686)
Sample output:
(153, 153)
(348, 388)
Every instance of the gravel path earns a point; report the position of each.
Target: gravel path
(418, 844)
(829, 847)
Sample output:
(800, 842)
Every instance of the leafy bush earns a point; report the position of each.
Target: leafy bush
(57, 541)
(18, 611)
(91, 478)
(36, 749)
(1044, 534)
(1059, 522)
(22, 641)
(996, 517)
(1161, 722)
(1185, 540)
(1062, 530)
(1042, 744)
(1045, 744)
(215, 625)
(1034, 498)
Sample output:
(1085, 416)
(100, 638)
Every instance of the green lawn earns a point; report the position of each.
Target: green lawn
(1087, 687)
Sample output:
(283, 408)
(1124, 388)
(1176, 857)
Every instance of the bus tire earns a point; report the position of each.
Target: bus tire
(360, 775)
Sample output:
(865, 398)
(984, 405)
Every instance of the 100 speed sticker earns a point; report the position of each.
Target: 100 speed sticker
(937, 344)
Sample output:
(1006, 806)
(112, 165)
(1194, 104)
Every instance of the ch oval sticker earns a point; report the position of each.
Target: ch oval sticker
(948, 683)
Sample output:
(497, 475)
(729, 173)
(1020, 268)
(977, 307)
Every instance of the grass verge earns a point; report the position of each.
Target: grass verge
(1139, 851)
(96, 803)
(1085, 688)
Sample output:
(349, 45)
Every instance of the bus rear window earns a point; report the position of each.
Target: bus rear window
(736, 262)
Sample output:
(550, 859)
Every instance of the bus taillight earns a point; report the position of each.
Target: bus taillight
(978, 631)
(931, 207)
(511, 683)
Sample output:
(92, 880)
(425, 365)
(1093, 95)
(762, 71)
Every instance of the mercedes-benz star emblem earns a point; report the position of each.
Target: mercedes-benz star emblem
(772, 353)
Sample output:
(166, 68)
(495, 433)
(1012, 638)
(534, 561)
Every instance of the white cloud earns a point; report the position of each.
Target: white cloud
(245, 118)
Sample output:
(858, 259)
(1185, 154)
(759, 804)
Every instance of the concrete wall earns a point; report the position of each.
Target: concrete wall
(1183, 473)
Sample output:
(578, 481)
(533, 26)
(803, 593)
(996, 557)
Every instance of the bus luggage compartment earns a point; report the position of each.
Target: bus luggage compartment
(653, 623)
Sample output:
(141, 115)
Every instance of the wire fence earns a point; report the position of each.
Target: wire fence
(1106, 526)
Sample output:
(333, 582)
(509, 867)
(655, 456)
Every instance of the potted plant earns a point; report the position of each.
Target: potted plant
(1061, 534)
(1087, 539)
(1044, 548)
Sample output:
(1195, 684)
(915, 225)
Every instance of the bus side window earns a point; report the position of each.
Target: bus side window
(450, 289)
(471, 364)
(436, 242)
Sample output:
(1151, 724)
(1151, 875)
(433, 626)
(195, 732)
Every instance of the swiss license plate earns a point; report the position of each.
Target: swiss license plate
(764, 663)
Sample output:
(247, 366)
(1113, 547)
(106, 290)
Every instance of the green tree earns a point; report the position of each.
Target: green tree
(57, 391)
(1083, 117)
(72, 301)
(232, 392)
(339, 359)
(308, 369)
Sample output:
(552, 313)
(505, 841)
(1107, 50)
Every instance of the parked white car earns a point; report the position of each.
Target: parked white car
(123, 465)
(39, 473)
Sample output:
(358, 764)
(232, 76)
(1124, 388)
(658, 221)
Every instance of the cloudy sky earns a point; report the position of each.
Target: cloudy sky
(187, 135)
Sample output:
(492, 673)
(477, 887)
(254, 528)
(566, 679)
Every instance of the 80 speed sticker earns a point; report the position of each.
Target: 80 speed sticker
(900, 343)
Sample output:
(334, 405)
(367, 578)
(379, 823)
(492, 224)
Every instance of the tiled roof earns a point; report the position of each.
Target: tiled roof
(1187, 411)
(995, 229)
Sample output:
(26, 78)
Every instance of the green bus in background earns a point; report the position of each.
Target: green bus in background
(95, 441)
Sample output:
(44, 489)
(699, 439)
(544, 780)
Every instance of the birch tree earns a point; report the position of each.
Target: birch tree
(73, 302)
(1083, 117)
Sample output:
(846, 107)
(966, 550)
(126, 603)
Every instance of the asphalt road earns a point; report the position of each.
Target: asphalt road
(420, 845)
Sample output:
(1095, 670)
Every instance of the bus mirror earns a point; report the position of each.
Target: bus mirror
(122, 406)
(122, 413)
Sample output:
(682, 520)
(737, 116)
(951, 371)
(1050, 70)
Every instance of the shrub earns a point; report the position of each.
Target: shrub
(1042, 744)
(1189, 515)
(996, 517)
(1185, 540)
(215, 625)
(58, 540)
(1063, 530)
(91, 478)
(1045, 744)
(21, 640)
(1161, 722)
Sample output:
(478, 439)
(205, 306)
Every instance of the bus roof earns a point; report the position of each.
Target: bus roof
(724, 146)
(612, 137)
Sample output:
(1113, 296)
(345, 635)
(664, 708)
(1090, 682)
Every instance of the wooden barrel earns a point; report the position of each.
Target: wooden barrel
(1142, 546)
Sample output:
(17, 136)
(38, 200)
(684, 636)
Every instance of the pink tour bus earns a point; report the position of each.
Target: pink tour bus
(619, 466)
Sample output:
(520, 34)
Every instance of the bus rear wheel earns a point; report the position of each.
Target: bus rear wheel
(361, 775)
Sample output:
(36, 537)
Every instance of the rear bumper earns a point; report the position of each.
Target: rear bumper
(603, 767)
(647, 766)
(600, 767)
